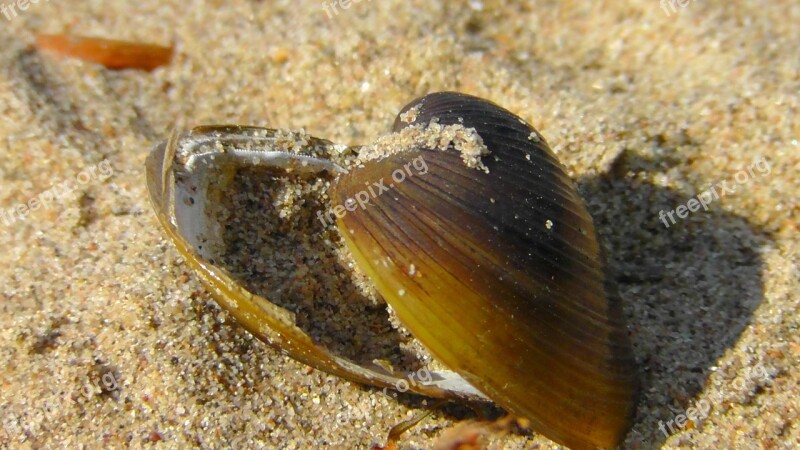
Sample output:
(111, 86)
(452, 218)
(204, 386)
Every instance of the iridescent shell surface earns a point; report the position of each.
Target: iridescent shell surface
(499, 274)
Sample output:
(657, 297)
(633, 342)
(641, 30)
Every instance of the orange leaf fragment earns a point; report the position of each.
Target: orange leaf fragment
(464, 436)
(389, 446)
(113, 54)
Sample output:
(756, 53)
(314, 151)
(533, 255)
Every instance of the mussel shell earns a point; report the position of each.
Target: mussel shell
(499, 274)
(185, 177)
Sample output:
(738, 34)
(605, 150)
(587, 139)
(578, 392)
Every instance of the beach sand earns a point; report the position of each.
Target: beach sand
(108, 340)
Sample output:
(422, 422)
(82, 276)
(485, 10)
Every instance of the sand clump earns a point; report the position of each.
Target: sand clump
(431, 136)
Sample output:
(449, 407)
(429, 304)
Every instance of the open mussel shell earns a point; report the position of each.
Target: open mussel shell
(187, 174)
(498, 273)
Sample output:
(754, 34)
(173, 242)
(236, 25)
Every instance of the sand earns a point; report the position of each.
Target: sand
(107, 339)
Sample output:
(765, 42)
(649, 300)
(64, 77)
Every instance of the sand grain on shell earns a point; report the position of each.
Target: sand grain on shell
(431, 136)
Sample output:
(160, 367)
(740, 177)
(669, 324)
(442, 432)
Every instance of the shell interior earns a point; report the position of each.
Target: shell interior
(188, 174)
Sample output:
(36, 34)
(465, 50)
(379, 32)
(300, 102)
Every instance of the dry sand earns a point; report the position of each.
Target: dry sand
(645, 110)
